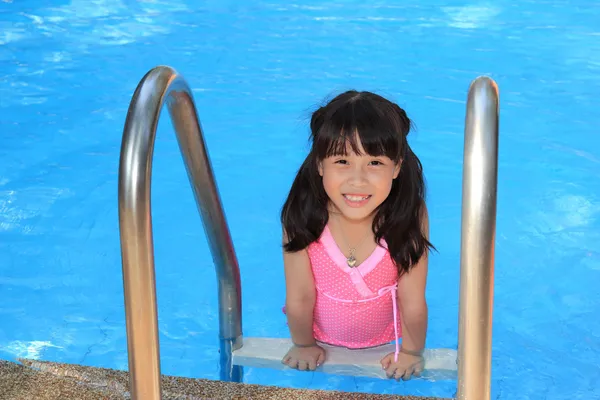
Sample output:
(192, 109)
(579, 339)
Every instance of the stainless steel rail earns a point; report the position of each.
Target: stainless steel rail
(480, 176)
(160, 85)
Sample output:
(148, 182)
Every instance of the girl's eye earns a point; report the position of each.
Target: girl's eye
(341, 162)
(376, 162)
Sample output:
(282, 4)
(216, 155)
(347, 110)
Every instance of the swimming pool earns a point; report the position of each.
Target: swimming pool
(68, 73)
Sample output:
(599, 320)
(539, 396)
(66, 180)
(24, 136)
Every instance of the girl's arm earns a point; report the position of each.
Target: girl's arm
(411, 296)
(300, 296)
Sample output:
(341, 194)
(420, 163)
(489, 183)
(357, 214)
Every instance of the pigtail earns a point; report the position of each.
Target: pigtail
(304, 213)
(399, 218)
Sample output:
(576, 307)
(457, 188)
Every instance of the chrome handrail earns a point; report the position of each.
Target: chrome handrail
(478, 231)
(160, 85)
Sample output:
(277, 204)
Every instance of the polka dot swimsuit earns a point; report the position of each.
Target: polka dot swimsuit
(355, 307)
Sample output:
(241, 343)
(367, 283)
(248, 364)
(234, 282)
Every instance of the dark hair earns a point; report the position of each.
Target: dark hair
(381, 127)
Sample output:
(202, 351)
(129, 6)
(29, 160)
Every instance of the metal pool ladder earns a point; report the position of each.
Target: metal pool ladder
(163, 85)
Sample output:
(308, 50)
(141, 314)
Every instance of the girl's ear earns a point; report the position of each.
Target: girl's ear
(397, 169)
(320, 168)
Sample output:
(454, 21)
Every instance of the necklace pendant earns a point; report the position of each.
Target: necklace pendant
(351, 261)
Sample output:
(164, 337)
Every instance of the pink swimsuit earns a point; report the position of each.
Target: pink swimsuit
(355, 307)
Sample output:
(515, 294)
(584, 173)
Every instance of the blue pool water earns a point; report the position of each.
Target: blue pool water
(257, 68)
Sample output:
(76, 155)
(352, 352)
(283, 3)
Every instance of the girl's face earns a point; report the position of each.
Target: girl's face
(357, 184)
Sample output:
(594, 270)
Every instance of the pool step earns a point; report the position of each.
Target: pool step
(440, 364)
(42, 380)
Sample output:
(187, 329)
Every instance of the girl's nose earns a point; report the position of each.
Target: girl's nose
(358, 176)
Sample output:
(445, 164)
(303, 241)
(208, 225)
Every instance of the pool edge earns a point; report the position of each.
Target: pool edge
(45, 380)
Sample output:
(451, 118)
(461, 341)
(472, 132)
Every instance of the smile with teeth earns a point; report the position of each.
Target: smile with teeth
(356, 198)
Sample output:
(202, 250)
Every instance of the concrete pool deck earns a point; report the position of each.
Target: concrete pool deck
(42, 380)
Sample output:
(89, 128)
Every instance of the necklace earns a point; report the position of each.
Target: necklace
(351, 260)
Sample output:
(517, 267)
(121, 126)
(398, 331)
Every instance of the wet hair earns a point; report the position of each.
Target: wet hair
(352, 119)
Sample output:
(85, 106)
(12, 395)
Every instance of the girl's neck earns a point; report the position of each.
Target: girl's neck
(350, 224)
(354, 237)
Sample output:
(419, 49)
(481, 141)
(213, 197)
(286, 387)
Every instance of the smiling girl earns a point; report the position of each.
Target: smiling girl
(355, 238)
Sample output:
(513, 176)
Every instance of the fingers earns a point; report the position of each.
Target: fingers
(391, 371)
(306, 362)
(321, 359)
(385, 362)
(398, 373)
(315, 363)
(406, 373)
(400, 370)
(290, 362)
(300, 365)
(418, 370)
(401, 373)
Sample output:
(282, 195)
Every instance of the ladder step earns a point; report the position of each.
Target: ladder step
(440, 364)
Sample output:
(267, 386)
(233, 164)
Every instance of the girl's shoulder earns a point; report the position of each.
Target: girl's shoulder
(320, 241)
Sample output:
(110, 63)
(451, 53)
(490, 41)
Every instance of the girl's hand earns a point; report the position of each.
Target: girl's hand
(304, 358)
(406, 366)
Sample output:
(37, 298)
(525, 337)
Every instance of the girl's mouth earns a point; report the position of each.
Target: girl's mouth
(356, 200)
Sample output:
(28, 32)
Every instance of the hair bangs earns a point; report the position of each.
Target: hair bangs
(359, 127)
